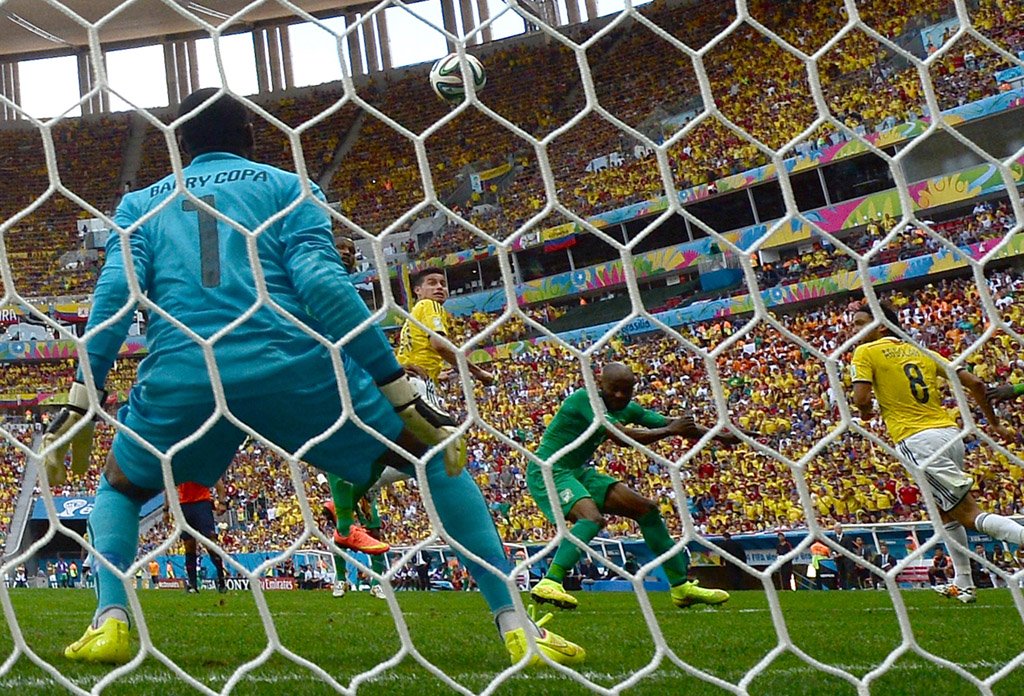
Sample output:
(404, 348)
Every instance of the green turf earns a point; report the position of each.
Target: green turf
(210, 635)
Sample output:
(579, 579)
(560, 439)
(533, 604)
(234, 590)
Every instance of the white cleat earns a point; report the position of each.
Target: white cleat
(964, 595)
(377, 591)
(339, 590)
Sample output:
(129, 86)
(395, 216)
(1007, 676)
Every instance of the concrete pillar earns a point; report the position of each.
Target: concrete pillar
(104, 94)
(355, 53)
(381, 20)
(181, 65)
(286, 57)
(171, 74)
(370, 45)
(483, 11)
(193, 66)
(468, 23)
(84, 81)
(448, 19)
(572, 8)
(7, 112)
(274, 52)
(259, 51)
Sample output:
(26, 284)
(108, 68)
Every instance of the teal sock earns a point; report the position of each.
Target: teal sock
(465, 517)
(652, 526)
(568, 554)
(377, 566)
(114, 532)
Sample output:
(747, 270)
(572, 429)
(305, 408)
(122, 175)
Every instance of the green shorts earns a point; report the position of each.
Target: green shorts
(571, 484)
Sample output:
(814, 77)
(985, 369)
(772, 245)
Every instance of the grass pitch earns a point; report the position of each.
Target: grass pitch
(210, 635)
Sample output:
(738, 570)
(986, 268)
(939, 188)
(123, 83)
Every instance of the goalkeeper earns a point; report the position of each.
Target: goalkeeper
(586, 495)
(205, 278)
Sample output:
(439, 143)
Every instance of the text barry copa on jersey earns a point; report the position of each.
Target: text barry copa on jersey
(204, 180)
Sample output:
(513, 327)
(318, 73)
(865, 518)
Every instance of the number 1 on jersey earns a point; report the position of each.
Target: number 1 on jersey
(209, 246)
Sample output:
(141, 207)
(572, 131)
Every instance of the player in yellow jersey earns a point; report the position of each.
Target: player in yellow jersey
(419, 348)
(904, 379)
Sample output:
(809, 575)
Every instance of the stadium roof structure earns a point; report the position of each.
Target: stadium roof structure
(37, 28)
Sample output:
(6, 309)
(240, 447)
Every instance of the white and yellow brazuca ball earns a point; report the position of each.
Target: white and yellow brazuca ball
(446, 77)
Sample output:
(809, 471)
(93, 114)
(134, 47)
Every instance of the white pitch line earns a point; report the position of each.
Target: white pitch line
(475, 677)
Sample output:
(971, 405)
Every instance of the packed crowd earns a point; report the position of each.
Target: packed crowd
(771, 384)
(88, 152)
(759, 86)
(987, 221)
(12, 467)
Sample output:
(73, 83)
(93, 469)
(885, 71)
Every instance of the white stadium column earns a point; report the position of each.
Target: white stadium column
(483, 11)
(355, 52)
(193, 65)
(381, 20)
(286, 56)
(10, 89)
(468, 23)
(85, 81)
(259, 50)
(448, 17)
(370, 46)
(181, 65)
(171, 74)
(572, 9)
(274, 52)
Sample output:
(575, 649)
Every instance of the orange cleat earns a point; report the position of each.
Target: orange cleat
(359, 539)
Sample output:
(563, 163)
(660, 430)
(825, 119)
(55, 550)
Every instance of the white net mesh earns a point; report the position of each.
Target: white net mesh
(702, 94)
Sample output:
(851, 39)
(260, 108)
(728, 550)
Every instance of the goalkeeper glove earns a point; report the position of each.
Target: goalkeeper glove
(429, 424)
(80, 443)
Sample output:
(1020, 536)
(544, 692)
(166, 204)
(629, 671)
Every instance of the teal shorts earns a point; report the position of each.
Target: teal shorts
(571, 485)
(288, 420)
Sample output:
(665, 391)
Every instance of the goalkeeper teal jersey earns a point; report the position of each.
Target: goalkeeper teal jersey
(197, 269)
(575, 416)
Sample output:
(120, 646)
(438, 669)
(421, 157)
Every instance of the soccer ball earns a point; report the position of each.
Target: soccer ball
(446, 77)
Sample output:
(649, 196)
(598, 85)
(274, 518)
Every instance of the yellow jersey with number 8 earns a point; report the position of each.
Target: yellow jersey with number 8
(905, 380)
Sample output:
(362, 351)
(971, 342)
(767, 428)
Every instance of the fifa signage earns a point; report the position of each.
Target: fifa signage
(79, 507)
(76, 508)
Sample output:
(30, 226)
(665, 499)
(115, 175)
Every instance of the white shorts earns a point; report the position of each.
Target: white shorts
(426, 389)
(944, 475)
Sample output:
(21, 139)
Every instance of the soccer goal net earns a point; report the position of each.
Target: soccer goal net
(726, 197)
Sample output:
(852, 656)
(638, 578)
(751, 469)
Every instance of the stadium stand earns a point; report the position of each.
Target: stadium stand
(772, 385)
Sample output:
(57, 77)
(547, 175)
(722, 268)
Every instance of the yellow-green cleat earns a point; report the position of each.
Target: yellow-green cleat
(107, 644)
(690, 593)
(554, 646)
(550, 592)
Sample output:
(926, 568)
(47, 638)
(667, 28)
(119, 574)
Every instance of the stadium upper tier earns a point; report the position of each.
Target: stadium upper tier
(638, 78)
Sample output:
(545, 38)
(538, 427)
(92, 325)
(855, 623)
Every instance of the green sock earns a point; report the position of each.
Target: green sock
(377, 566)
(652, 526)
(342, 495)
(568, 554)
(340, 569)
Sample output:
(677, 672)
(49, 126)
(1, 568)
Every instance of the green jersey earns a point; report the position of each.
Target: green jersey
(575, 416)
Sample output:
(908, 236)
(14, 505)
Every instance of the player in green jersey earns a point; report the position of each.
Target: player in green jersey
(586, 495)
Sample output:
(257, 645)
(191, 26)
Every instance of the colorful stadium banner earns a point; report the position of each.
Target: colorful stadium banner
(815, 158)
(846, 281)
(953, 188)
(61, 350)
